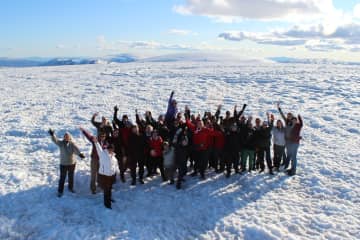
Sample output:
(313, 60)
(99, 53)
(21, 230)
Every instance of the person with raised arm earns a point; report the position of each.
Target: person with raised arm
(103, 126)
(107, 170)
(94, 163)
(171, 111)
(68, 150)
(124, 125)
(264, 143)
(292, 139)
(279, 143)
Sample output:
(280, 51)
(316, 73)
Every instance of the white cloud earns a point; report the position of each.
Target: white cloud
(256, 9)
(343, 37)
(357, 11)
(324, 45)
(182, 32)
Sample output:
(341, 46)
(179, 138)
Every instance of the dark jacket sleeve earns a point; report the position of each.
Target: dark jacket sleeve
(96, 124)
(282, 114)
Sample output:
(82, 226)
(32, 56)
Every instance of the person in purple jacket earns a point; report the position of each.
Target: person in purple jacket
(171, 111)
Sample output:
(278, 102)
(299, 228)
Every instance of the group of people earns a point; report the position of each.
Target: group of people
(179, 141)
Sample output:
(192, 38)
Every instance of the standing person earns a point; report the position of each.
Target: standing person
(169, 162)
(257, 138)
(124, 125)
(219, 143)
(248, 143)
(293, 127)
(103, 126)
(136, 154)
(171, 111)
(156, 153)
(264, 143)
(231, 150)
(116, 141)
(293, 143)
(94, 163)
(67, 160)
(182, 144)
(200, 142)
(107, 170)
(279, 143)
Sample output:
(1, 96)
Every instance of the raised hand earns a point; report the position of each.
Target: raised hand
(51, 132)
(116, 108)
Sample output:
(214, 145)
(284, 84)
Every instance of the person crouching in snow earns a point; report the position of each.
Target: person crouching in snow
(107, 170)
(67, 160)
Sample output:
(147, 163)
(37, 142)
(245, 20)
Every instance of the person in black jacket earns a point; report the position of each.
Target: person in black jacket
(231, 150)
(136, 154)
(182, 144)
(103, 126)
(117, 142)
(249, 145)
(264, 142)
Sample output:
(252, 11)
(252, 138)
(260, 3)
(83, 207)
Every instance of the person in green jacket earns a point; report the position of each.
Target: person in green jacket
(68, 150)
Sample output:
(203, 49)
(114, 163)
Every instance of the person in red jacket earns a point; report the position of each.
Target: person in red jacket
(156, 153)
(201, 137)
(219, 142)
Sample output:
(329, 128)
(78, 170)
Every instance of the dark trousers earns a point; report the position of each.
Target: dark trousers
(261, 154)
(219, 159)
(121, 163)
(106, 183)
(212, 159)
(231, 159)
(201, 161)
(181, 156)
(278, 154)
(133, 162)
(158, 162)
(66, 170)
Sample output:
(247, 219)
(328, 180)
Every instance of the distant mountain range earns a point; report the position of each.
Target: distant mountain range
(194, 57)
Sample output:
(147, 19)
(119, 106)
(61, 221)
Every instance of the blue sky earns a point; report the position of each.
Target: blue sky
(309, 28)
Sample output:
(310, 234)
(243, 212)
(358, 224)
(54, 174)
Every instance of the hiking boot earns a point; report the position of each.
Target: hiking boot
(178, 185)
(72, 190)
(271, 172)
(193, 174)
(133, 182)
(172, 181)
(141, 181)
(261, 170)
(59, 194)
(227, 175)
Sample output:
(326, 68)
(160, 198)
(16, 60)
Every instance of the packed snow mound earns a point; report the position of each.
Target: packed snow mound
(320, 202)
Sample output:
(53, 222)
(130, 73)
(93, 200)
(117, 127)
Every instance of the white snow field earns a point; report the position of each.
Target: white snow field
(321, 202)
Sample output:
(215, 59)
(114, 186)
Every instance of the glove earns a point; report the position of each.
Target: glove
(116, 108)
(51, 132)
(81, 155)
(244, 106)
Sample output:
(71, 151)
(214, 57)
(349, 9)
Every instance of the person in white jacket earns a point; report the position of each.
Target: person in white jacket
(107, 171)
(279, 143)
